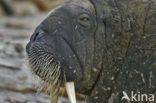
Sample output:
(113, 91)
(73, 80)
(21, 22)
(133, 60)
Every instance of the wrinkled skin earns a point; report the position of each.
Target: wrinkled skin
(104, 46)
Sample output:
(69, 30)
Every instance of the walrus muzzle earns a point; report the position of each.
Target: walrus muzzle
(51, 66)
(61, 49)
(45, 65)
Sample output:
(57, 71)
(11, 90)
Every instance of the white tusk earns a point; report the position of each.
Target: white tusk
(70, 88)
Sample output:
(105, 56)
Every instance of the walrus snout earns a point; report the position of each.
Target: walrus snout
(51, 64)
(36, 35)
(62, 46)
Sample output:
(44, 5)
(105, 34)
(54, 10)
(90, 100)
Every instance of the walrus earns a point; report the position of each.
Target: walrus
(104, 49)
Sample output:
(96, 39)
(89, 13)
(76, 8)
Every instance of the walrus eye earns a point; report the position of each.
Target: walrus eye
(84, 20)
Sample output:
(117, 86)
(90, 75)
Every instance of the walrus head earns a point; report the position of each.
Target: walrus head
(62, 48)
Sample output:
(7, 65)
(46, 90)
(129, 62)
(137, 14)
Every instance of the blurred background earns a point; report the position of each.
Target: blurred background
(18, 19)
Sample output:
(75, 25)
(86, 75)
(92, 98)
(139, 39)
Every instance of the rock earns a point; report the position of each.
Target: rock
(1, 11)
(47, 5)
(25, 8)
(17, 97)
(7, 96)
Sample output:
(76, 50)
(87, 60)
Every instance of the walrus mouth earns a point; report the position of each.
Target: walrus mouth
(45, 66)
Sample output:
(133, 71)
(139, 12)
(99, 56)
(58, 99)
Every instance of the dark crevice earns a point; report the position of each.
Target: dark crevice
(117, 74)
(116, 5)
(111, 91)
(98, 77)
(96, 14)
(144, 25)
(96, 30)
(107, 50)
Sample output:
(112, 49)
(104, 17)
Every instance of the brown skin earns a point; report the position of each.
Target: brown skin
(120, 42)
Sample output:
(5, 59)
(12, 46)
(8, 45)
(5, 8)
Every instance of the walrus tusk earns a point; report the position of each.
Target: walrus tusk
(70, 88)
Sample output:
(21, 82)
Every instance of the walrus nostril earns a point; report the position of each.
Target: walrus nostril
(37, 35)
(34, 37)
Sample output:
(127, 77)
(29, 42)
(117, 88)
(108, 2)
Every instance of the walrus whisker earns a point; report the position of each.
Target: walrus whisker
(42, 87)
(46, 75)
(55, 90)
(54, 94)
(53, 71)
(48, 69)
